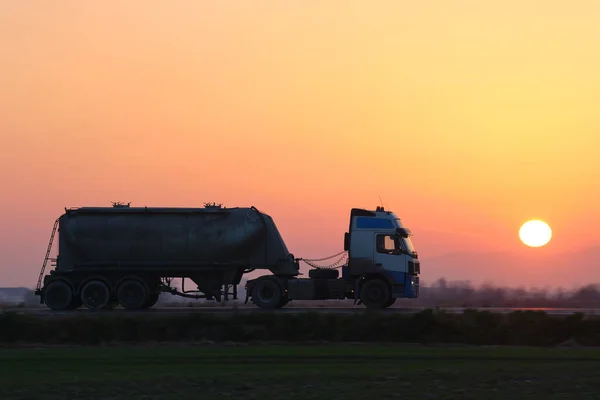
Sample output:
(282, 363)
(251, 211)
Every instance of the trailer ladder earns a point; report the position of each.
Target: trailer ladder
(47, 258)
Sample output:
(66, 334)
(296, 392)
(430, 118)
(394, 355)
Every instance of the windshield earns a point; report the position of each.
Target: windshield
(408, 246)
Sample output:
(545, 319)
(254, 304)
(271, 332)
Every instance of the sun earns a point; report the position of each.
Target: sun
(535, 233)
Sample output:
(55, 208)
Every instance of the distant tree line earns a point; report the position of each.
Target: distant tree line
(443, 293)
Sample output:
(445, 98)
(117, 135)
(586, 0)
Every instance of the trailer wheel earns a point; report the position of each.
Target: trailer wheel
(75, 303)
(266, 293)
(375, 294)
(95, 295)
(152, 300)
(112, 304)
(58, 295)
(132, 294)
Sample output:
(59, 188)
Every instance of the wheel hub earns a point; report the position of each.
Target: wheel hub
(266, 294)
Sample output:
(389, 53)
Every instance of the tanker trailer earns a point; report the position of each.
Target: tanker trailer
(129, 255)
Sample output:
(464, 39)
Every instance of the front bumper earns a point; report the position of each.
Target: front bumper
(408, 289)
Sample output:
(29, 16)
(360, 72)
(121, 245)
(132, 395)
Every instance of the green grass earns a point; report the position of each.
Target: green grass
(299, 372)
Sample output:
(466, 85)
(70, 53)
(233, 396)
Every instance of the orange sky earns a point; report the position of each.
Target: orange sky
(466, 117)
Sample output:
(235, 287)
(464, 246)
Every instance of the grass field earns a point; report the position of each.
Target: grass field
(299, 372)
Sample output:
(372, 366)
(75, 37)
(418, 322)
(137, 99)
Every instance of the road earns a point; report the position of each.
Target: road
(162, 311)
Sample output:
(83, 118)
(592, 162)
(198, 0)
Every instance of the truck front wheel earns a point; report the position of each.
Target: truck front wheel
(375, 294)
(266, 293)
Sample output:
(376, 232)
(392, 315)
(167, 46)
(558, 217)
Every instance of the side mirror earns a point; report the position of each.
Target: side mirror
(403, 232)
(346, 241)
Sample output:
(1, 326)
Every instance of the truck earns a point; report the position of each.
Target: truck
(128, 256)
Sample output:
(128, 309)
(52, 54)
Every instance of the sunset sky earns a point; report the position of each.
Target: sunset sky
(467, 118)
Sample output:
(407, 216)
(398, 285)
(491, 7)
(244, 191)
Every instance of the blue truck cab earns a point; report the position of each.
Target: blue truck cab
(382, 266)
(380, 249)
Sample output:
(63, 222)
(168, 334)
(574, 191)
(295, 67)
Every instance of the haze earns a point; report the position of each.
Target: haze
(466, 117)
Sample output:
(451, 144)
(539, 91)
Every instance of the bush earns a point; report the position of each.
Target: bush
(471, 327)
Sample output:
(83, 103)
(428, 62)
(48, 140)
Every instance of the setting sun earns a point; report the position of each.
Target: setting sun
(535, 233)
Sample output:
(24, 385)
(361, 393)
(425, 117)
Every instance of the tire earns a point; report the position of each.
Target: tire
(375, 294)
(112, 304)
(152, 300)
(132, 294)
(390, 302)
(96, 295)
(266, 293)
(58, 296)
(323, 273)
(75, 303)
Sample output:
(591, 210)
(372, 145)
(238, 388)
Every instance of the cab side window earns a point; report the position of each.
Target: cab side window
(386, 244)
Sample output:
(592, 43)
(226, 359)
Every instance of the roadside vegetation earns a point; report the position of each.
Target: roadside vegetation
(430, 327)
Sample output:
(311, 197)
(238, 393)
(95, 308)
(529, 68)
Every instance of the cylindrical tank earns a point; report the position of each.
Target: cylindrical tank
(168, 236)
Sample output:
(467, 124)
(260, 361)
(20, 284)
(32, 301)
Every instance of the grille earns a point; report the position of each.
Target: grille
(414, 268)
(416, 280)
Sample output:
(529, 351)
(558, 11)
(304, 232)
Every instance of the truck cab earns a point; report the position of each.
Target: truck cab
(379, 248)
(382, 266)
